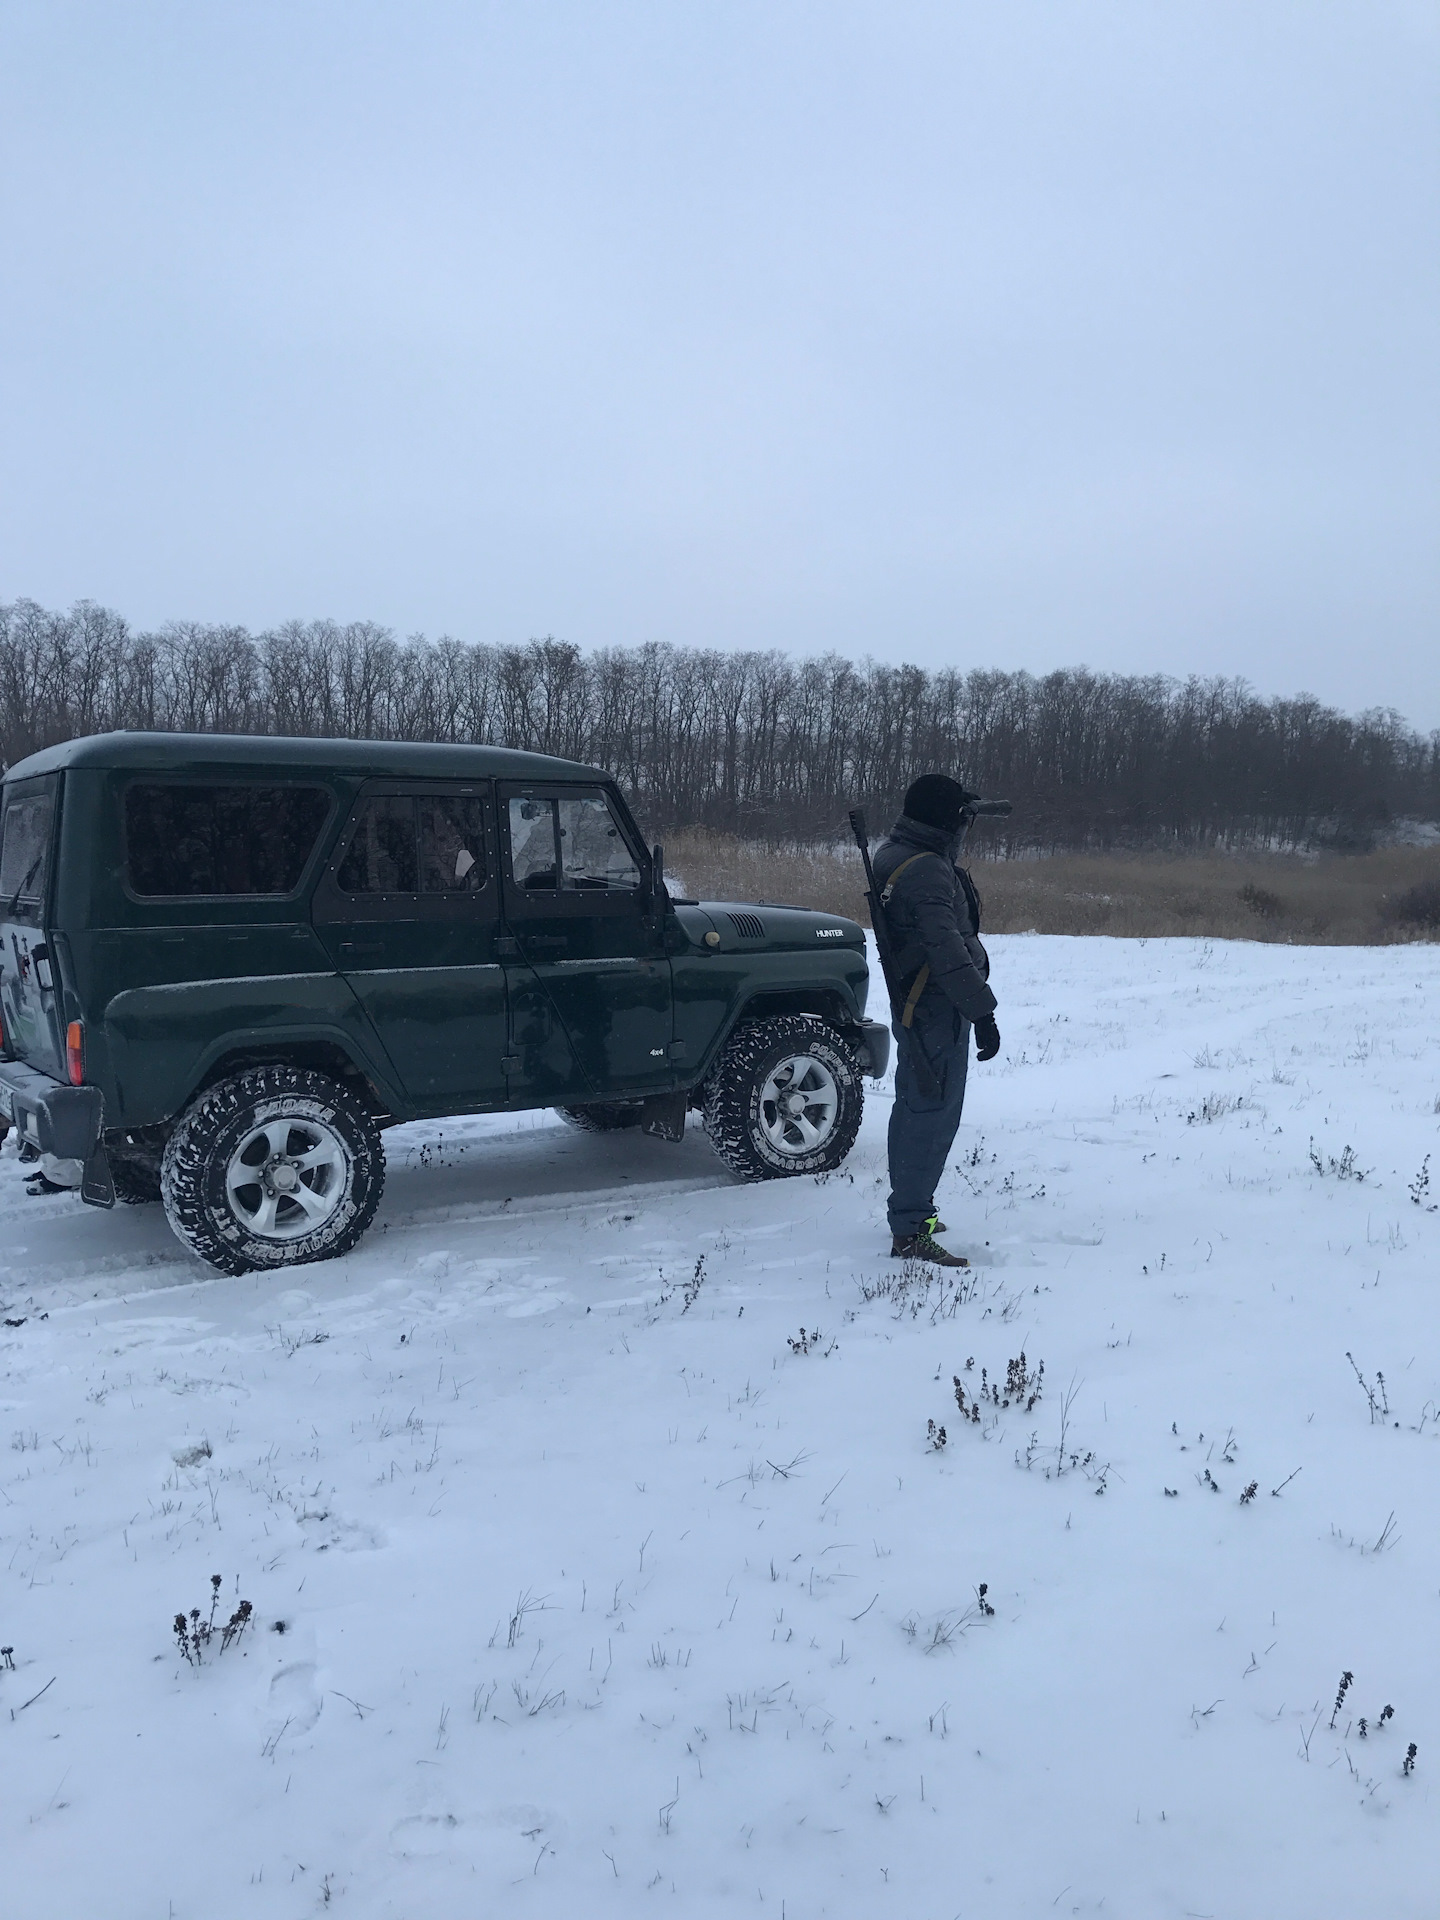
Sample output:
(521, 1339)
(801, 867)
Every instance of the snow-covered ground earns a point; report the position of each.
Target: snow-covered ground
(584, 1584)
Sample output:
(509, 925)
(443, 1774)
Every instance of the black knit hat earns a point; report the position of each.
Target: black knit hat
(935, 800)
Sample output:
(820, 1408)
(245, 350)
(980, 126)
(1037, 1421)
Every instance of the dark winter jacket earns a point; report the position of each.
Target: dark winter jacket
(934, 916)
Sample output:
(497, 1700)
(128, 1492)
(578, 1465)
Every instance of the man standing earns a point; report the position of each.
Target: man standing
(933, 914)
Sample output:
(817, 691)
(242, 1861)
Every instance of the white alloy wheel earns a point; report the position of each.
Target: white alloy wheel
(287, 1177)
(798, 1104)
(272, 1167)
(784, 1098)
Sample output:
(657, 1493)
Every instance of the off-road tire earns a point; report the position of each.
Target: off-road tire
(136, 1182)
(198, 1154)
(732, 1109)
(604, 1116)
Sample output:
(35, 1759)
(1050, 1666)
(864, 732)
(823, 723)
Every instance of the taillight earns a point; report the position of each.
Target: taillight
(75, 1053)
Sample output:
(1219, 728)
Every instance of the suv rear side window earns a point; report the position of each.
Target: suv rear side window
(220, 840)
(426, 843)
(25, 850)
(571, 842)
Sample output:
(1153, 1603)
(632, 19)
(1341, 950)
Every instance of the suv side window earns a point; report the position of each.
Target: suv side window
(381, 857)
(569, 844)
(402, 843)
(195, 840)
(452, 844)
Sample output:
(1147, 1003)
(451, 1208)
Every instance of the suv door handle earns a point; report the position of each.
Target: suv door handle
(354, 947)
(547, 940)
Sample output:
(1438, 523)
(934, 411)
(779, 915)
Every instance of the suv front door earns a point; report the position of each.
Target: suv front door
(590, 950)
(408, 909)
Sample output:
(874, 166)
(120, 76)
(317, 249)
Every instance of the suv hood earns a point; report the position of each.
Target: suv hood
(747, 926)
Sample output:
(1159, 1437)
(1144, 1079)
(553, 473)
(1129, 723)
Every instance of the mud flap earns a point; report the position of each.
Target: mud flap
(662, 1116)
(97, 1188)
(873, 1045)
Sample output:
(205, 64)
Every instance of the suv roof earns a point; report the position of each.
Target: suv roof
(195, 752)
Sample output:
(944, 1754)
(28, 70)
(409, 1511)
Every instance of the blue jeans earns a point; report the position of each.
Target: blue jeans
(922, 1127)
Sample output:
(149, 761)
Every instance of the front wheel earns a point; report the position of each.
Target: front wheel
(272, 1168)
(784, 1097)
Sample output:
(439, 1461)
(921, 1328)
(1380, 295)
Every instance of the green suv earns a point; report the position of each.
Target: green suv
(227, 963)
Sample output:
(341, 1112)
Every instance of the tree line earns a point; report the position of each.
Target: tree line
(754, 742)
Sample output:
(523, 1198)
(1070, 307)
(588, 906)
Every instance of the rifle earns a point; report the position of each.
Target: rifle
(924, 1072)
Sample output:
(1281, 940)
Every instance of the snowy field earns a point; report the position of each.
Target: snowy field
(584, 1584)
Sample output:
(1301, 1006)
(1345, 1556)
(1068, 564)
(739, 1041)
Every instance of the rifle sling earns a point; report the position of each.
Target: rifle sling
(913, 999)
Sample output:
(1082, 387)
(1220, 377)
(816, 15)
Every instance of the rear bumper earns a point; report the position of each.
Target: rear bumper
(873, 1045)
(56, 1119)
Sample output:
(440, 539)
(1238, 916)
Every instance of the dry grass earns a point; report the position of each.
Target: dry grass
(1336, 900)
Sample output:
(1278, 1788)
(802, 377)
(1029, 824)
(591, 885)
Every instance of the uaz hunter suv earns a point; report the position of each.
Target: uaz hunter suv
(227, 963)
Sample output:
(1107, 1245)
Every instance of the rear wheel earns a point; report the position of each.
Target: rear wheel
(135, 1156)
(605, 1116)
(136, 1182)
(784, 1097)
(272, 1168)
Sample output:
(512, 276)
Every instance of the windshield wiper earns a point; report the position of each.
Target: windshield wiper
(14, 899)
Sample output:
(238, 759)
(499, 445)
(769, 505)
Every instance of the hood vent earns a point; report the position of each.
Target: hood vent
(749, 926)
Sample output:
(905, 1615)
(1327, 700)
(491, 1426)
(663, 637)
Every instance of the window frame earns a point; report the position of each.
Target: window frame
(298, 783)
(573, 900)
(28, 911)
(336, 904)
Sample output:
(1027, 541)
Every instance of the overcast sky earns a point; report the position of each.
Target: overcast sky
(1004, 334)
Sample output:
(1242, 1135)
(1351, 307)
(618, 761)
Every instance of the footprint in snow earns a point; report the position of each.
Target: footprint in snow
(504, 1838)
(524, 1309)
(294, 1703)
(327, 1531)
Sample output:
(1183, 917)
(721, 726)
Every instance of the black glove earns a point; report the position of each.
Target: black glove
(987, 1038)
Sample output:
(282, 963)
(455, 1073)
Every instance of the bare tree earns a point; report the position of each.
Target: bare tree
(756, 742)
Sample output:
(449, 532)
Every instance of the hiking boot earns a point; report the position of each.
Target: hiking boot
(924, 1246)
